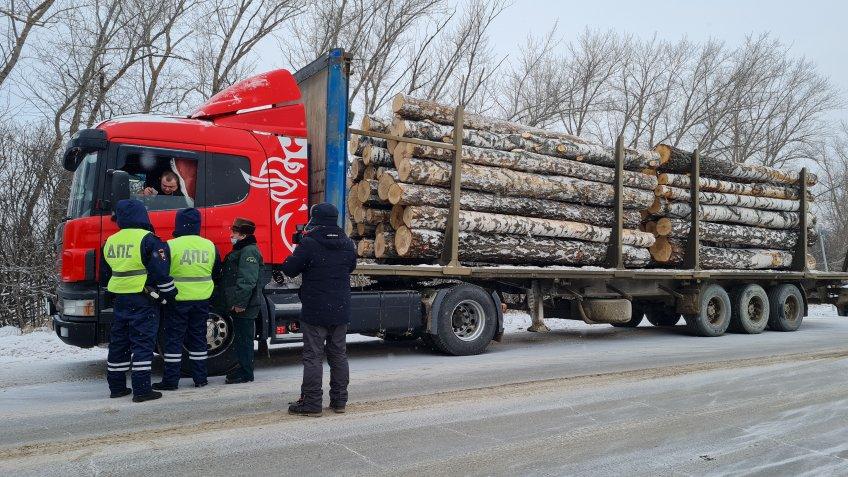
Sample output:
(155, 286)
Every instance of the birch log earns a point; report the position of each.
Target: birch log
(526, 161)
(719, 198)
(726, 213)
(378, 156)
(356, 169)
(521, 184)
(371, 122)
(365, 230)
(357, 144)
(365, 248)
(707, 184)
(433, 218)
(733, 235)
(369, 216)
(427, 244)
(384, 246)
(677, 160)
(414, 194)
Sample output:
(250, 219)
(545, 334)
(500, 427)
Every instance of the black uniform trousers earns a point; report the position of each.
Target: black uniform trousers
(185, 324)
(131, 342)
(243, 334)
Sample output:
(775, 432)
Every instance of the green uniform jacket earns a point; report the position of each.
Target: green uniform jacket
(240, 279)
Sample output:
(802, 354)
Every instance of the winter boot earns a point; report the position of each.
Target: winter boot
(163, 386)
(121, 393)
(300, 409)
(152, 395)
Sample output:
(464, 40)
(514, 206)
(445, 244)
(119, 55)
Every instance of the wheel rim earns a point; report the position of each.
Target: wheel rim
(756, 309)
(715, 311)
(468, 320)
(791, 308)
(218, 334)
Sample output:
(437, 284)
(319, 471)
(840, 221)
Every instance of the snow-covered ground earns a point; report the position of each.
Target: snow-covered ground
(43, 344)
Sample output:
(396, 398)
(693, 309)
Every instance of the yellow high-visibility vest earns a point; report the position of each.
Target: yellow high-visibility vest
(122, 252)
(192, 259)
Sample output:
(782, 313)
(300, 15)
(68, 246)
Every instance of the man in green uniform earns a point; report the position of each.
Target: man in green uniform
(241, 289)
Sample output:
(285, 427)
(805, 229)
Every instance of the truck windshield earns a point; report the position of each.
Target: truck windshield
(82, 187)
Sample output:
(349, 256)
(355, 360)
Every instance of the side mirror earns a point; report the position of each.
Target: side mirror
(119, 186)
(83, 142)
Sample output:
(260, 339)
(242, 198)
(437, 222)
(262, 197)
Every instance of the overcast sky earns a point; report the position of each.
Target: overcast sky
(816, 29)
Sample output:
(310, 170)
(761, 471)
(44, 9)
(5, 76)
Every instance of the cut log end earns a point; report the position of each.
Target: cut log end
(664, 151)
(663, 226)
(403, 240)
(396, 217)
(661, 250)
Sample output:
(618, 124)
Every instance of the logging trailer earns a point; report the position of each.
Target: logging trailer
(270, 146)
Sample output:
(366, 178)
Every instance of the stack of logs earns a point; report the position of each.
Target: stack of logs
(529, 196)
(749, 214)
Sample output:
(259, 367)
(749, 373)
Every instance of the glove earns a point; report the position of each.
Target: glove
(168, 297)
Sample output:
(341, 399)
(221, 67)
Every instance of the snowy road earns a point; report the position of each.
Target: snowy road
(578, 400)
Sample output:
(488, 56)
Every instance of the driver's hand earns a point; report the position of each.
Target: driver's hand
(149, 191)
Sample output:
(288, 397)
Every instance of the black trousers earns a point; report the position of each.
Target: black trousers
(243, 333)
(318, 340)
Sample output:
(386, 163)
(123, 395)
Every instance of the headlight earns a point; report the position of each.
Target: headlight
(78, 307)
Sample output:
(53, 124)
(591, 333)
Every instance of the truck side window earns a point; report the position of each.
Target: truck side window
(162, 179)
(225, 179)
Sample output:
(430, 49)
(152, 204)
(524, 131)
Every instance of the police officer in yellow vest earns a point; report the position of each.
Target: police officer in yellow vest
(134, 269)
(194, 263)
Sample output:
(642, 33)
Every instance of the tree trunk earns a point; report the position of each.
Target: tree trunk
(677, 160)
(385, 182)
(371, 122)
(425, 217)
(734, 235)
(718, 198)
(384, 246)
(521, 184)
(396, 217)
(580, 151)
(526, 161)
(365, 248)
(366, 192)
(378, 156)
(473, 247)
(356, 169)
(358, 143)
(369, 216)
(726, 213)
(707, 184)
(413, 194)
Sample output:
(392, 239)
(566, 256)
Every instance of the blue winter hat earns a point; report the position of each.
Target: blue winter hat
(187, 222)
(324, 213)
(131, 214)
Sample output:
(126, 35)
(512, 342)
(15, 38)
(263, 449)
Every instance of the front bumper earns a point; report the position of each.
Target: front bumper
(77, 331)
(81, 331)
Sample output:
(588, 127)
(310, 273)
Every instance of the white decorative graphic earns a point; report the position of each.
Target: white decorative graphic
(278, 175)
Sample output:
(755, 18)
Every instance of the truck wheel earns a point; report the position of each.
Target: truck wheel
(635, 318)
(465, 321)
(749, 309)
(787, 308)
(714, 317)
(221, 356)
(660, 315)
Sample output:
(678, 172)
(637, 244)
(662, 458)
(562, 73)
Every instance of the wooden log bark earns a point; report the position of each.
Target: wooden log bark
(726, 213)
(371, 122)
(384, 245)
(719, 198)
(370, 216)
(707, 184)
(521, 184)
(365, 230)
(356, 169)
(365, 248)
(433, 218)
(387, 179)
(733, 235)
(396, 217)
(414, 194)
(357, 144)
(526, 161)
(378, 156)
(580, 151)
(427, 244)
(715, 258)
(366, 192)
(677, 160)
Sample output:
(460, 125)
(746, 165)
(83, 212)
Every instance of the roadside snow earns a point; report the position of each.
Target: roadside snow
(43, 344)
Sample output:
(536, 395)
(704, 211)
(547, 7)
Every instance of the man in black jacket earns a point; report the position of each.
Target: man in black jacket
(326, 258)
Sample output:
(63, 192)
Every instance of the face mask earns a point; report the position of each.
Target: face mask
(233, 240)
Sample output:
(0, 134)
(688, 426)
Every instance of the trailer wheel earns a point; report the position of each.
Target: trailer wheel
(465, 322)
(714, 317)
(787, 307)
(635, 318)
(219, 340)
(749, 309)
(660, 315)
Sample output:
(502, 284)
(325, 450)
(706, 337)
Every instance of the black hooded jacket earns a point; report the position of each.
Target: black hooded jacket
(326, 258)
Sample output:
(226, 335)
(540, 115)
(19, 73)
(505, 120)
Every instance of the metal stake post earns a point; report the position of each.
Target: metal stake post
(450, 254)
(615, 257)
(799, 259)
(693, 245)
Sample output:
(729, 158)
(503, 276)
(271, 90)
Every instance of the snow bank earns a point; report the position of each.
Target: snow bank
(41, 345)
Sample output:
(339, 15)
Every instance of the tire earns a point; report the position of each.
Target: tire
(635, 318)
(219, 336)
(749, 309)
(787, 307)
(660, 315)
(714, 317)
(466, 321)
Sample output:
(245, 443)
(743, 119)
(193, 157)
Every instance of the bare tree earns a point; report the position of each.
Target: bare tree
(18, 20)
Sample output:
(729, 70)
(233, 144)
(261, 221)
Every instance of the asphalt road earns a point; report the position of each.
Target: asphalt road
(584, 400)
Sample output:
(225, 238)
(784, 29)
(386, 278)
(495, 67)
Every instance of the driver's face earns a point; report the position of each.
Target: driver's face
(168, 186)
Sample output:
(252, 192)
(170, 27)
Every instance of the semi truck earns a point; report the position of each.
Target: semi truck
(270, 146)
